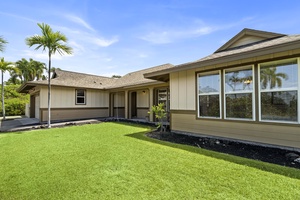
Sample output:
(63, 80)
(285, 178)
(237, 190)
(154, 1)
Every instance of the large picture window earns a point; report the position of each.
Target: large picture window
(80, 97)
(239, 93)
(279, 91)
(209, 95)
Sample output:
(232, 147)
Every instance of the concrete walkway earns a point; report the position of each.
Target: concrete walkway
(12, 123)
(24, 123)
(21, 123)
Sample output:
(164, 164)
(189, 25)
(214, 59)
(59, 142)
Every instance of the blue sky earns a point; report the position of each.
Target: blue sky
(116, 37)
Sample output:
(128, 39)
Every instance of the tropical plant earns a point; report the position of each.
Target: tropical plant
(2, 44)
(4, 66)
(270, 78)
(15, 102)
(51, 42)
(160, 114)
(27, 71)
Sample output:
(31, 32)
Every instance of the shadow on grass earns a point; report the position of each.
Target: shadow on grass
(268, 167)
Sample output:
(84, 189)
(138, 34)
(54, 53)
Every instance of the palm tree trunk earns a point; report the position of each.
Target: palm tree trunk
(3, 106)
(49, 92)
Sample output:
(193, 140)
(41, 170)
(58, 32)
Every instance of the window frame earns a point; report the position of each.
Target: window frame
(240, 92)
(218, 72)
(76, 97)
(279, 90)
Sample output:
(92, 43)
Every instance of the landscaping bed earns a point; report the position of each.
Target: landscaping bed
(267, 154)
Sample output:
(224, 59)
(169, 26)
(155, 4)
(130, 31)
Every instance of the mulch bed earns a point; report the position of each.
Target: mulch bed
(262, 153)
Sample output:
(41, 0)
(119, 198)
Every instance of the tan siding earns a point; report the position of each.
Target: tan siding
(68, 114)
(288, 136)
(43, 97)
(191, 81)
(182, 90)
(246, 40)
(142, 98)
(119, 112)
(174, 90)
(119, 99)
(63, 97)
(142, 113)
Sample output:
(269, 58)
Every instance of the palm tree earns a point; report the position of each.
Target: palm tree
(51, 42)
(23, 71)
(35, 70)
(269, 77)
(39, 68)
(28, 70)
(2, 44)
(4, 66)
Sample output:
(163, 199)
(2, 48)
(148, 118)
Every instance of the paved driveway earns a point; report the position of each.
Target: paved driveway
(10, 124)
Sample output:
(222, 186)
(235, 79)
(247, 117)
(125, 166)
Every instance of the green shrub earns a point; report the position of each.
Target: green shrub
(14, 102)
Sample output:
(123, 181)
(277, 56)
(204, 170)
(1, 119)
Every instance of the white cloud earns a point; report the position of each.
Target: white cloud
(85, 37)
(44, 56)
(19, 17)
(77, 48)
(169, 36)
(164, 35)
(79, 21)
(142, 55)
(103, 42)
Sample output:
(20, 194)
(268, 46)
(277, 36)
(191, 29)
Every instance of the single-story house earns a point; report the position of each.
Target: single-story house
(247, 90)
(80, 96)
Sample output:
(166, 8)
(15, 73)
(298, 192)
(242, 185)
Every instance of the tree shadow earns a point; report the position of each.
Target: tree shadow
(268, 167)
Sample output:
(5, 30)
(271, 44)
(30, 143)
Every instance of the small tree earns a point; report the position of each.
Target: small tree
(160, 114)
(51, 42)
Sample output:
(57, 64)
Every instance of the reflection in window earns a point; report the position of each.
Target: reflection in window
(209, 84)
(239, 106)
(239, 93)
(209, 95)
(279, 91)
(279, 106)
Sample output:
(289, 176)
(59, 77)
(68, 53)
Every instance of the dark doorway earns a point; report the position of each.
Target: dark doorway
(32, 106)
(133, 105)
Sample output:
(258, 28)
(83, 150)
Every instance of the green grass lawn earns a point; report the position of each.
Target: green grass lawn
(116, 161)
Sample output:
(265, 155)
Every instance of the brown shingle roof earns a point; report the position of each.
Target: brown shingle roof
(255, 46)
(80, 80)
(75, 79)
(247, 51)
(137, 77)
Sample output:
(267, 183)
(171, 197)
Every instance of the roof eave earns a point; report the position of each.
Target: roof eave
(25, 87)
(229, 58)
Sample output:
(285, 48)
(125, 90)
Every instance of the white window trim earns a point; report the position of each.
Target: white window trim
(84, 97)
(240, 92)
(212, 93)
(277, 90)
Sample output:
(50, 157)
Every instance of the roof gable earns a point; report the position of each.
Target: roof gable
(247, 37)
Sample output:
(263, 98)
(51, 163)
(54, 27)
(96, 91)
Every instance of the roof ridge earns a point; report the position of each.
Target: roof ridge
(148, 68)
(72, 72)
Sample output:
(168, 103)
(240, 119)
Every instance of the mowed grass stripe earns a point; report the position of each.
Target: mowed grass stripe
(104, 161)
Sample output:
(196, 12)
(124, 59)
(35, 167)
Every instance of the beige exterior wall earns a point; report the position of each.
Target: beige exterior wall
(247, 40)
(184, 113)
(119, 99)
(287, 136)
(182, 90)
(74, 113)
(63, 105)
(142, 98)
(63, 97)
